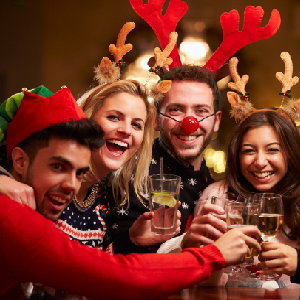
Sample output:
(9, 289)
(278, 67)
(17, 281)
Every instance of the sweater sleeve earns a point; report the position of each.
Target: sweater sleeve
(35, 251)
(296, 277)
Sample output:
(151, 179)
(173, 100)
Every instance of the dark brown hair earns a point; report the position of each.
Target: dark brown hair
(289, 185)
(193, 73)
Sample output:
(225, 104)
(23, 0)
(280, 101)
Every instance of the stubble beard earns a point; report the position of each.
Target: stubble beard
(40, 208)
(167, 141)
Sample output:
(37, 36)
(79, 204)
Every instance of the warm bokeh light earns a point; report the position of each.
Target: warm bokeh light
(215, 159)
(194, 48)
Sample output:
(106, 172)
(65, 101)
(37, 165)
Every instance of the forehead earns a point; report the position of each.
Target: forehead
(261, 135)
(125, 103)
(189, 93)
(68, 150)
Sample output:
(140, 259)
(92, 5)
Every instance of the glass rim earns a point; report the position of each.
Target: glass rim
(269, 195)
(165, 177)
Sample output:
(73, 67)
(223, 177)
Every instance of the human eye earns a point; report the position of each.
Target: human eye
(174, 110)
(247, 151)
(273, 150)
(80, 174)
(113, 118)
(57, 167)
(137, 125)
(202, 112)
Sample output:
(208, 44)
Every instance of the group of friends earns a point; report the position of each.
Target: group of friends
(75, 216)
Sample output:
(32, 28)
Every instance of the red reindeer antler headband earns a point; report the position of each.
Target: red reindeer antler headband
(233, 39)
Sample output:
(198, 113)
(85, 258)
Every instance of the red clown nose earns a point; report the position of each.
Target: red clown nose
(189, 124)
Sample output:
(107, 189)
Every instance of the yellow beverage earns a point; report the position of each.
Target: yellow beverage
(270, 224)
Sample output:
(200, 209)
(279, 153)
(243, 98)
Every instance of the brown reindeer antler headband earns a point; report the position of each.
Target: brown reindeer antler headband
(242, 107)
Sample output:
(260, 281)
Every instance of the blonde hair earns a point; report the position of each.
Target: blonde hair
(138, 165)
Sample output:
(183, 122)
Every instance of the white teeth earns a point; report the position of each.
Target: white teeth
(262, 175)
(119, 143)
(187, 137)
(58, 199)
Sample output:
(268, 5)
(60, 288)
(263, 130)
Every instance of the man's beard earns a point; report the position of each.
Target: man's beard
(40, 208)
(167, 141)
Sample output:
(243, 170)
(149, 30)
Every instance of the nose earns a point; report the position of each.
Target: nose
(189, 124)
(125, 128)
(261, 159)
(71, 184)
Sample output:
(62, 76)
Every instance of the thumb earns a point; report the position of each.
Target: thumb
(146, 216)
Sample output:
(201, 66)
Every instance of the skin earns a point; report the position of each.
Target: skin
(188, 98)
(122, 126)
(262, 160)
(55, 174)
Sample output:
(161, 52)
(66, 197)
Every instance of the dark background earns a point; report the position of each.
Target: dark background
(57, 42)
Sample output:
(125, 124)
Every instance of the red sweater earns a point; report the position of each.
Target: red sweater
(33, 250)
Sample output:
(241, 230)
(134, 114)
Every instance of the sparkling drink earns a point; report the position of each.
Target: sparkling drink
(164, 205)
(234, 219)
(164, 195)
(270, 224)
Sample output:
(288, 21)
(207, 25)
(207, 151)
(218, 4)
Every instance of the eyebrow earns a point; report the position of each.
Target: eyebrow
(274, 143)
(67, 162)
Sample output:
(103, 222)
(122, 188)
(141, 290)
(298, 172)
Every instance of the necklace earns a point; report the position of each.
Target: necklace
(88, 201)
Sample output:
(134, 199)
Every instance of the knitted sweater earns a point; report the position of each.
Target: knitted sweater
(191, 187)
(33, 250)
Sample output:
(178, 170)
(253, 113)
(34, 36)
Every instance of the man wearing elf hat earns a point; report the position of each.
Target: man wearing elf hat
(188, 115)
(49, 143)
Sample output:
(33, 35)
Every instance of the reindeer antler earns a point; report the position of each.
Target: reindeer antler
(121, 48)
(162, 25)
(233, 39)
(287, 79)
(239, 107)
(162, 57)
(239, 83)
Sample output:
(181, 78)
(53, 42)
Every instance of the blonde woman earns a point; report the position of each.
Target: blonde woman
(123, 111)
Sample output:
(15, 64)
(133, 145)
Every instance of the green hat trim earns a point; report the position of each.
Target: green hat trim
(9, 107)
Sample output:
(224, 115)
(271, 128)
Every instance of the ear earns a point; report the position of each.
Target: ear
(217, 121)
(20, 161)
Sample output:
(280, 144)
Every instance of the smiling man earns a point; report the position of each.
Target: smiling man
(51, 153)
(193, 94)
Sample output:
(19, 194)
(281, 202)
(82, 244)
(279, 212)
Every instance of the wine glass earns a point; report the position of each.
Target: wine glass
(270, 220)
(240, 213)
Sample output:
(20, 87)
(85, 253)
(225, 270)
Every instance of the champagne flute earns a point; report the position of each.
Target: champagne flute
(270, 220)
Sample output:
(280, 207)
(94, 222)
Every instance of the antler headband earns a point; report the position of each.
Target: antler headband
(242, 107)
(233, 39)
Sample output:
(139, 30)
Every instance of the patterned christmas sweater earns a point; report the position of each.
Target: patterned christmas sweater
(192, 185)
(89, 227)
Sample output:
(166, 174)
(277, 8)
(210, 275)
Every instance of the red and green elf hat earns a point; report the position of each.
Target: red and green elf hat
(10, 106)
(37, 112)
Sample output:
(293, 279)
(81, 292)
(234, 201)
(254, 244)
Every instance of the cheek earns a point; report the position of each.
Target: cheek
(138, 139)
(244, 163)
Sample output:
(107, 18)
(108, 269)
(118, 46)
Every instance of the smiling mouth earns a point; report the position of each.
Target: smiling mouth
(116, 146)
(263, 175)
(186, 137)
(57, 200)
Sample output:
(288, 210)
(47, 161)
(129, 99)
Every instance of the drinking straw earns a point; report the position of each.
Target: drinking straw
(161, 174)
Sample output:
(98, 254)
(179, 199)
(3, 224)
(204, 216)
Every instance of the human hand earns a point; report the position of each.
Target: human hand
(140, 231)
(206, 227)
(20, 192)
(235, 244)
(277, 258)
